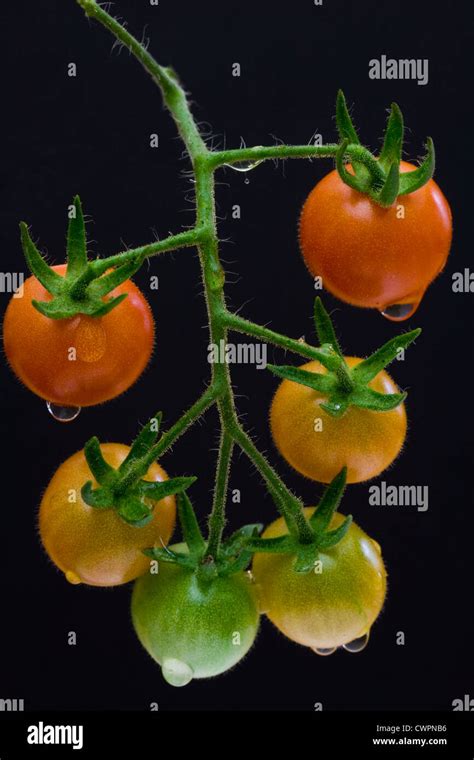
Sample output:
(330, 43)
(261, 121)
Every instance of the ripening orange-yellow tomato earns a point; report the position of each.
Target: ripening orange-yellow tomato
(318, 445)
(95, 546)
(333, 605)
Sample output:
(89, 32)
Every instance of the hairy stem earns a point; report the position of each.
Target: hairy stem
(289, 506)
(239, 324)
(204, 235)
(172, 243)
(261, 153)
(217, 516)
(206, 400)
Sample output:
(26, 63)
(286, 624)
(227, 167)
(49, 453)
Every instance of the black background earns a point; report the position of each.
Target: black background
(90, 135)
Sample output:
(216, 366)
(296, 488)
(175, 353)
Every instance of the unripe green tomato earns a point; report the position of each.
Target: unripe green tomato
(194, 628)
(334, 605)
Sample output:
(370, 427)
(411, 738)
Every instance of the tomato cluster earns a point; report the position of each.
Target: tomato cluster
(109, 512)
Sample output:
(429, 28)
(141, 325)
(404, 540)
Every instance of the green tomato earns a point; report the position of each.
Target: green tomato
(191, 627)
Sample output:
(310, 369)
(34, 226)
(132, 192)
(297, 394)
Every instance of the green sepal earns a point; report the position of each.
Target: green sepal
(306, 554)
(82, 290)
(103, 285)
(336, 407)
(391, 152)
(366, 398)
(345, 126)
(235, 553)
(142, 444)
(50, 279)
(123, 489)
(192, 534)
(278, 545)
(332, 537)
(314, 380)
(240, 539)
(369, 368)
(99, 498)
(101, 470)
(344, 386)
(134, 512)
(380, 179)
(324, 327)
(306, 558)
(62, 308)
(168, 555)
(348, 179)
(412, 181)
(158, 490)
(389, 192)
(329, 503)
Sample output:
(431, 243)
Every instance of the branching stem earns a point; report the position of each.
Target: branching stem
(204, 236)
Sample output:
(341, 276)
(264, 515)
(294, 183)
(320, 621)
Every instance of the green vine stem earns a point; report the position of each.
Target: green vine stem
(217, 517)
(204, 235)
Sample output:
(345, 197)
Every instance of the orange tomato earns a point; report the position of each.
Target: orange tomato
(319, 446)
(80, 361)
(95, 546)
(325, 609)
(381, 258)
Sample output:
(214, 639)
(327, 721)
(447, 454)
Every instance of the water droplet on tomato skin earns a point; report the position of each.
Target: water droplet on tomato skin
(71, 577)
(376, 546)
(397, 312)
(63, 413)
(324, 651)
(357, 645)
(176, 672)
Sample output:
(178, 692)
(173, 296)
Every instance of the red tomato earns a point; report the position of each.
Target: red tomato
(80, 361)
(380, 258)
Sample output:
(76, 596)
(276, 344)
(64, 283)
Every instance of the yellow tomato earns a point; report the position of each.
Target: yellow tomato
(319, 445)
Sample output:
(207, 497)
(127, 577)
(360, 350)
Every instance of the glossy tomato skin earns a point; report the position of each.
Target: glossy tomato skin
(329, 608)
(369, 256)
(95, 546)
(205, 627)
(364, 441)
(80, 361)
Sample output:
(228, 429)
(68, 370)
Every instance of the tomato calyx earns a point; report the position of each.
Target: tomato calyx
(342, 385)
(124, 489)
(379, 178)
(233, 555)
(86, 284)
(307, 553)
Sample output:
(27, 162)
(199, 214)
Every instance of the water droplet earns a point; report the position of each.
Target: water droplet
(63, 413)
(324, 651)
(357, 645)
(397, 312)
(247, 181)
(72, 577)
(245, 166)
(376, 545)
(176, 672)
